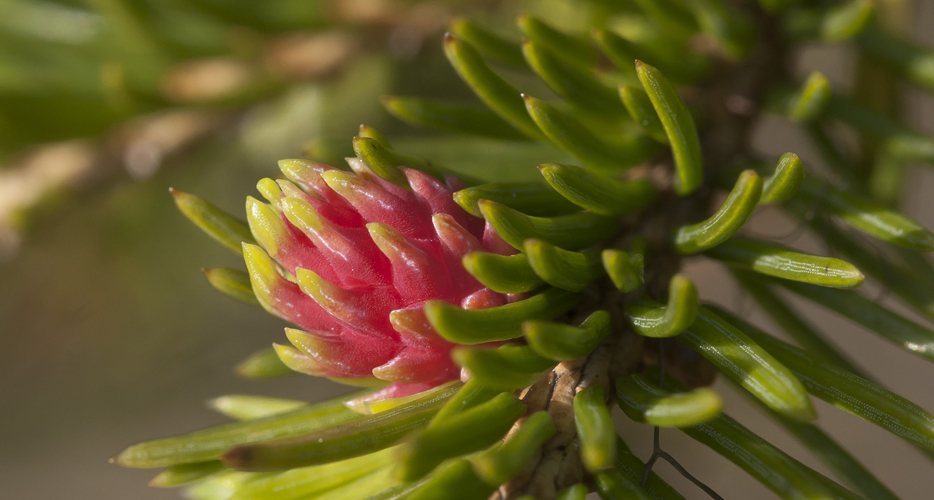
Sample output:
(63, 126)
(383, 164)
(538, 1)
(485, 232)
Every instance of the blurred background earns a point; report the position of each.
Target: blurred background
(110, 334)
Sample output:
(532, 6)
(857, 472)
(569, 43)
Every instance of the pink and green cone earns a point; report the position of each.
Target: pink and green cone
(360, 257)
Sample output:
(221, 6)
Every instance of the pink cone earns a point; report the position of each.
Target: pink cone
(364, 256)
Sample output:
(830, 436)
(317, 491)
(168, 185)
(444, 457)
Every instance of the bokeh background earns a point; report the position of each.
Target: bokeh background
(110, 335)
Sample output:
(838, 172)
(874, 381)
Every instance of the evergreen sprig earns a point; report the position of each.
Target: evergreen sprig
(581, 299)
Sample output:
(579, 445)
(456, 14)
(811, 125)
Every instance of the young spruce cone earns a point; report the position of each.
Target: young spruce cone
(366, 255)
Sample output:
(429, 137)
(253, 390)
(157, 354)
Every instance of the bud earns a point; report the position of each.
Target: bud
(351, 258)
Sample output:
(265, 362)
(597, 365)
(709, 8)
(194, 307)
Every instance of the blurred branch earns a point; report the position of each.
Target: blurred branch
(117, 85)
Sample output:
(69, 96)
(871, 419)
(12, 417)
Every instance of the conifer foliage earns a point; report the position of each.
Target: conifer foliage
(494, 326)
